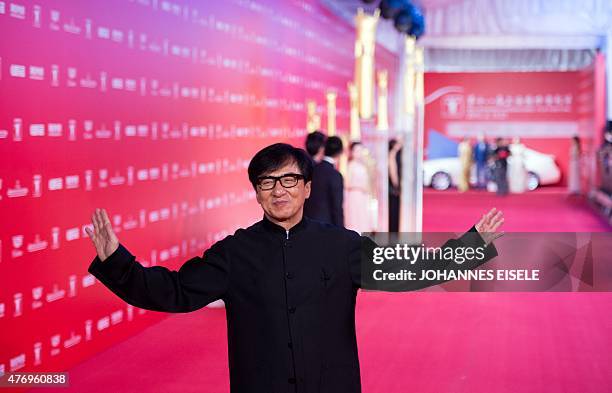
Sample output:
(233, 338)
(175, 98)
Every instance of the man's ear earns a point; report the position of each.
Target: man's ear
(258, 195)
(307, 189)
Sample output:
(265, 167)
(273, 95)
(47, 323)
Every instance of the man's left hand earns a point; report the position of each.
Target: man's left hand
(489, 224)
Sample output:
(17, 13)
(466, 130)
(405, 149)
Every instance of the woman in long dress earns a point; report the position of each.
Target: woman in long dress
(517, 173)
(358, 191)
(395, 185)
(573, 179)
(465, 159)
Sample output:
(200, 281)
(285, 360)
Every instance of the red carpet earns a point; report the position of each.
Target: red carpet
(543, 210)
(412, 342)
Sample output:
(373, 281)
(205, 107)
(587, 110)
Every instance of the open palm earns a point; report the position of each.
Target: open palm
(103, 237)
(489, 224)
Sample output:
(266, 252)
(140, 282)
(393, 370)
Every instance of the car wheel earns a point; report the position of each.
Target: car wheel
(440, 181)
(533, 181)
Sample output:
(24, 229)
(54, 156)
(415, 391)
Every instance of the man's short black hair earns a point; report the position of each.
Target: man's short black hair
(314, 142)
(275, 156)
(333, 146)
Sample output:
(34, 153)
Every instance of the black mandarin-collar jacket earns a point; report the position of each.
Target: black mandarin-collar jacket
(290, 302)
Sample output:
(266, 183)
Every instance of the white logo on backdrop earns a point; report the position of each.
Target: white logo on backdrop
(17, 362)
(453, 106)
(56, 294)
(55, 234)
(17, 243)
(73, 340)
(54, 75)
(37, 353)
(72, 285)
(37, 12)
(17, 11)
(55, 17)
(18, 302)
(36, 180)
(55, 344)
(37, 245)
(88, 329)
(17, 131)
(37, 293)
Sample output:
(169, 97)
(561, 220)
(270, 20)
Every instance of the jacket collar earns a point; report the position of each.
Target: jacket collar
(330, 160)
(271, 227)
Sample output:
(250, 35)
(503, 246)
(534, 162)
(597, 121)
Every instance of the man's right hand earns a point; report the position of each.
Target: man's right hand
(103, 237)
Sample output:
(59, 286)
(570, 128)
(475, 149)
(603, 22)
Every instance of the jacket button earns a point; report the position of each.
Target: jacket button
(291, 380)
(289, 276)
(291, 310)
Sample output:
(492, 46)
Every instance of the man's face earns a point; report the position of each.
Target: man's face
(284, 204)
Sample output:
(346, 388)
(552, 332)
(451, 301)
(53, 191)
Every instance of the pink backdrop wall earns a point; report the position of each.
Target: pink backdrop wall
(151, 109)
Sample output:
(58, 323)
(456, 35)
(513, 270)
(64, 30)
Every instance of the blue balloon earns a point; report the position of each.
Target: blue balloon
(418, 23)
(403, 21)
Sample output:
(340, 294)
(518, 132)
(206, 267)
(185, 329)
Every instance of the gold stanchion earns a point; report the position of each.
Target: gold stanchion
(419, 86)
(355, 126)
(409, 80)
(383, 101)
(313, 119)
(331, 113)
(343, 159)
(364, 60)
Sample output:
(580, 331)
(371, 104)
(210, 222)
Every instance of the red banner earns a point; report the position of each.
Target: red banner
(544, 109)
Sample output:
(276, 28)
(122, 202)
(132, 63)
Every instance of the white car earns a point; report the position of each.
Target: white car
(442, 173)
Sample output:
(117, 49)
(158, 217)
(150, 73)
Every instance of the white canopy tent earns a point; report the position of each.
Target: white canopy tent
(520, 35)
(504, 35)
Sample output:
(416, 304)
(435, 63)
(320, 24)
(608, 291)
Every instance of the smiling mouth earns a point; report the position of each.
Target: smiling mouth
(280, 202)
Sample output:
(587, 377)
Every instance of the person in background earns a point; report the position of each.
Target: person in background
(358, 190)
(604, 158)
(481, 153)
(465, 159)
(573, 178)
(607, 138)
(315, 145)
(501, 154)
(517, 173)
(326, 198)
(395, 188)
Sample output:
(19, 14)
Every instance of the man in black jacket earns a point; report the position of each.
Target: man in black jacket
(289, 284)
(327, 192)
(315, 146)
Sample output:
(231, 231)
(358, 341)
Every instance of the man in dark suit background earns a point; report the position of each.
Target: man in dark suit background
(326, 197)
(315, 146)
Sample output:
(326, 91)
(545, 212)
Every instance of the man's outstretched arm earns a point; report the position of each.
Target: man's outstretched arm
(481, 235)
(198, 282)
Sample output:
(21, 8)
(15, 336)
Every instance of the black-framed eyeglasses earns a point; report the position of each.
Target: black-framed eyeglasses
(288, 180)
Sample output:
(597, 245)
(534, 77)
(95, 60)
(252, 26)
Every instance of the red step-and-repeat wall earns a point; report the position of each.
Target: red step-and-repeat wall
(151, 109)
